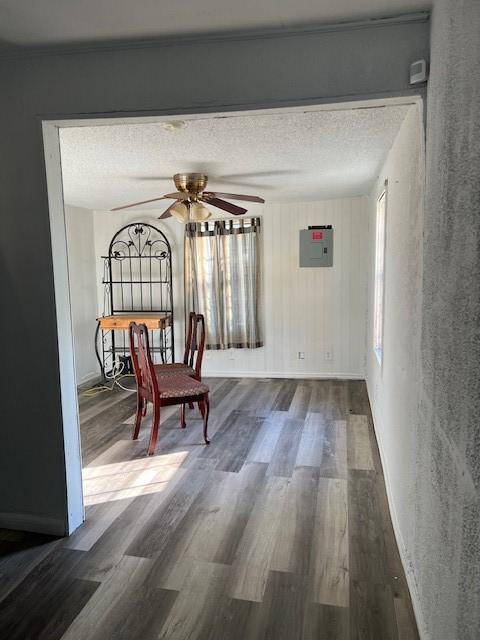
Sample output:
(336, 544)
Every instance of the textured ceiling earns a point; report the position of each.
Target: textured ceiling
(27, 22)
(286, 156)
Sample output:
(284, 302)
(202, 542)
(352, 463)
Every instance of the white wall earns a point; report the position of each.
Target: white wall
(312, 310)
(83, 289)
(393, 386)
(309, 310)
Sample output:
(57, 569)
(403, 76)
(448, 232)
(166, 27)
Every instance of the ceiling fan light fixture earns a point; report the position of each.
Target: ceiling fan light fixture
(199, 212)
(180, 212)
(191, 190)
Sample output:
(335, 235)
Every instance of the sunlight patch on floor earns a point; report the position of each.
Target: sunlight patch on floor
(130, 478)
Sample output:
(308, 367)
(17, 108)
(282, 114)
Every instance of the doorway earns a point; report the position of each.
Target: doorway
(256, 365)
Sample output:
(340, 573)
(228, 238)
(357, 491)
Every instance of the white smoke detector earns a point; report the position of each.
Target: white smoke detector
(173, 125)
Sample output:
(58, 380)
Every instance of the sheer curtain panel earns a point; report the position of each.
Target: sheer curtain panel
(223, 280)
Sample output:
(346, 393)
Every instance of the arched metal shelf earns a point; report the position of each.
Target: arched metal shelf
(137, 285)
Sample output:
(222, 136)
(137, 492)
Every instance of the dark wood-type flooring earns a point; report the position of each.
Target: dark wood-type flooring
(278, 530)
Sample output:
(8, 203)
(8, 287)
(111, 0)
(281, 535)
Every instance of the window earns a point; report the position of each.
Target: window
(223, 280)
(379, 277)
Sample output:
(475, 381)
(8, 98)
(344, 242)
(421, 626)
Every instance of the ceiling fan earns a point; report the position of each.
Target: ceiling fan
(191, 198)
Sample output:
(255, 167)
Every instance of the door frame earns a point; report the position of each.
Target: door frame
(66, 353)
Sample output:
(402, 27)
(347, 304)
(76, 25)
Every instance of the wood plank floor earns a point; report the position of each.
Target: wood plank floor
(278, 530)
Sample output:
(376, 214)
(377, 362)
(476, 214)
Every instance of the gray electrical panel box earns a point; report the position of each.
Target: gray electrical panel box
(316, 246)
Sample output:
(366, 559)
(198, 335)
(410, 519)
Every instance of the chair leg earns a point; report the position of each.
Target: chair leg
(191, 406)
(204, 407)
(155, 425)
(141, 408)
(183, 424)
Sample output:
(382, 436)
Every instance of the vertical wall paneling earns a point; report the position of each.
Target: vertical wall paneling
(313, 310)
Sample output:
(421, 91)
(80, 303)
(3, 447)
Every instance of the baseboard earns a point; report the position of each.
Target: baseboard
(282, 374)
(403, 551)
(89, 381)
(30, 522)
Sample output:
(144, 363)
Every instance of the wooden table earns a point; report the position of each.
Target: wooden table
(152, 320)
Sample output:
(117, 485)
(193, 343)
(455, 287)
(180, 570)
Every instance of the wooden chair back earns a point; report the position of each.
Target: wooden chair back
(188, 337)
(195, 342)
(142, 361)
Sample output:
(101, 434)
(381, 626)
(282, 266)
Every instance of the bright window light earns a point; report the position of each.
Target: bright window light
(378, 308)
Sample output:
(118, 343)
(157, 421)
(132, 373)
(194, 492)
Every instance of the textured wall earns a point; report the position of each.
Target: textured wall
(427, 401)
(446, 538)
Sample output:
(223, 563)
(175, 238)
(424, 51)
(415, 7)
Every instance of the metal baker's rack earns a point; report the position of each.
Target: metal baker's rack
(137, 285)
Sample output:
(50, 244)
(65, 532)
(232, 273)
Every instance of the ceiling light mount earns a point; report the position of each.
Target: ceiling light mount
(192, 183)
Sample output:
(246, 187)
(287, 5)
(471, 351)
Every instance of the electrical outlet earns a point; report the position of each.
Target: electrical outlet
(301, 355)
(328, 355)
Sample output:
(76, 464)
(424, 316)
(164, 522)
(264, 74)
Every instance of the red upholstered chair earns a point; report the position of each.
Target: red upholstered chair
(159, 390)
(193, 355)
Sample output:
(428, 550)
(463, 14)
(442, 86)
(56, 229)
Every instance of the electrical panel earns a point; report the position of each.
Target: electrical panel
(316, 246)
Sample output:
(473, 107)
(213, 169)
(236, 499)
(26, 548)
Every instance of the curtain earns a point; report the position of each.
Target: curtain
(223, 280)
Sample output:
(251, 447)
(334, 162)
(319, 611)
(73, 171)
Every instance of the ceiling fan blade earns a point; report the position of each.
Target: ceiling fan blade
(259, 174)
(135, 204)
(167, 213)
(226, 206)
(252, 180)
(178, 195)
(156, 178)
(232, 196)
(237, 184)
